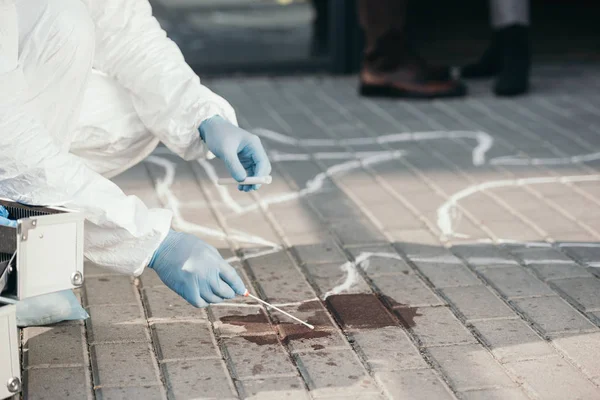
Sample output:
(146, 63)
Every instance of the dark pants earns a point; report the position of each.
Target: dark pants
(384, 25)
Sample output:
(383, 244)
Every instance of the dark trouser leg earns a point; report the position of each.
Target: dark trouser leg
(509, 53)
(320, 38)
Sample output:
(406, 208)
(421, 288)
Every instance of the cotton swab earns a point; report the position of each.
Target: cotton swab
(251, 180)
(247, 294)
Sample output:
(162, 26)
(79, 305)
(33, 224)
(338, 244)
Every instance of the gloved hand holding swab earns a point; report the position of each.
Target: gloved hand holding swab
(247, 294)
(251, 180)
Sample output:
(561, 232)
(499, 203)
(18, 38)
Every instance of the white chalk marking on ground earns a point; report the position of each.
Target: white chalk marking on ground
(352, 275)
(163, 190)
(512, 160)
(437, 259)
(484, 140)
(578, 244)
(313, 185)
(446, 212)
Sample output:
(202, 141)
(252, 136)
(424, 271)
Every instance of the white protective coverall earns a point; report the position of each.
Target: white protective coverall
(88, 88)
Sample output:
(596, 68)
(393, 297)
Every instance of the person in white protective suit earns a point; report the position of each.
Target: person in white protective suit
(88, 88)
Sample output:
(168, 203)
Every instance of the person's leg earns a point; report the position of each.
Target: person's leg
(320, 34)
(508, 53)
(390, 67)
(56, 51)
(89, 114)
(511, 19)
(110, 137)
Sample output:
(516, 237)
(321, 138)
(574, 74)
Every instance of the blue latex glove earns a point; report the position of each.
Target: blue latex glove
(195, 270)
(241, 151)
(4, 218)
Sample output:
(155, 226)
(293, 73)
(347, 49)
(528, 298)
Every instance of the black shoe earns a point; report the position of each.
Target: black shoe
(513, 79)
(490, 63)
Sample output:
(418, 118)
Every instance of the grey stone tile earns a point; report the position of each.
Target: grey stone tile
(553, 378)
(512, 340)
(408, 290)
(289, 388)
(198, 379)
(477, 302)
(110, 290)
(495, 394)
(413, 384)
(516, 282)
(56, 383)
(553, 315)
(584, 291)
(110, 323)
(470, 367)
(181, 340)
(125, 364)
(127, 393)
(53, 345)
(398, 353)
(162, 302)
(330, 373)
(436, 326)
(256, 356)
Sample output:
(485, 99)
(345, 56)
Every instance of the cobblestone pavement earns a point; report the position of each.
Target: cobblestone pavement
(445, 249)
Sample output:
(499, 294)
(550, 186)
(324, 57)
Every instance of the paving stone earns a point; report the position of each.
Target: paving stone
(583, 350)
(398, 353)
(442, 274)
(312, 311)
(125, 364)
(553, 378)
(495, 394)
(327, 276)
(408, 290)
(470, 367)
(113, 323)
(289, 388)
(255, 356)
(538, 255)
(234, 321)
(321, 250)
(149, 278)
(480, 256)
(512, 340)
(359, 311)
(585, 253)
(585, 291)
(56, 383)
(435, 326)
(406, 239)
(162, 302)
(330, 373)
(516, 282)
(183, 340)
(394, 216)
(281, 282)
(422, 384)
(301, 338)
(477, 302)
(334, 205)
(357, 232)
(561, 270)
(91, 270)
(384, 260)
(192, 379)
(110, 290)
(553, 315)
(53, 345)
(298, 220)
(127, 393)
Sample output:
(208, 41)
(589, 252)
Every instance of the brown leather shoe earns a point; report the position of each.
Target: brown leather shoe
(407, 82)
